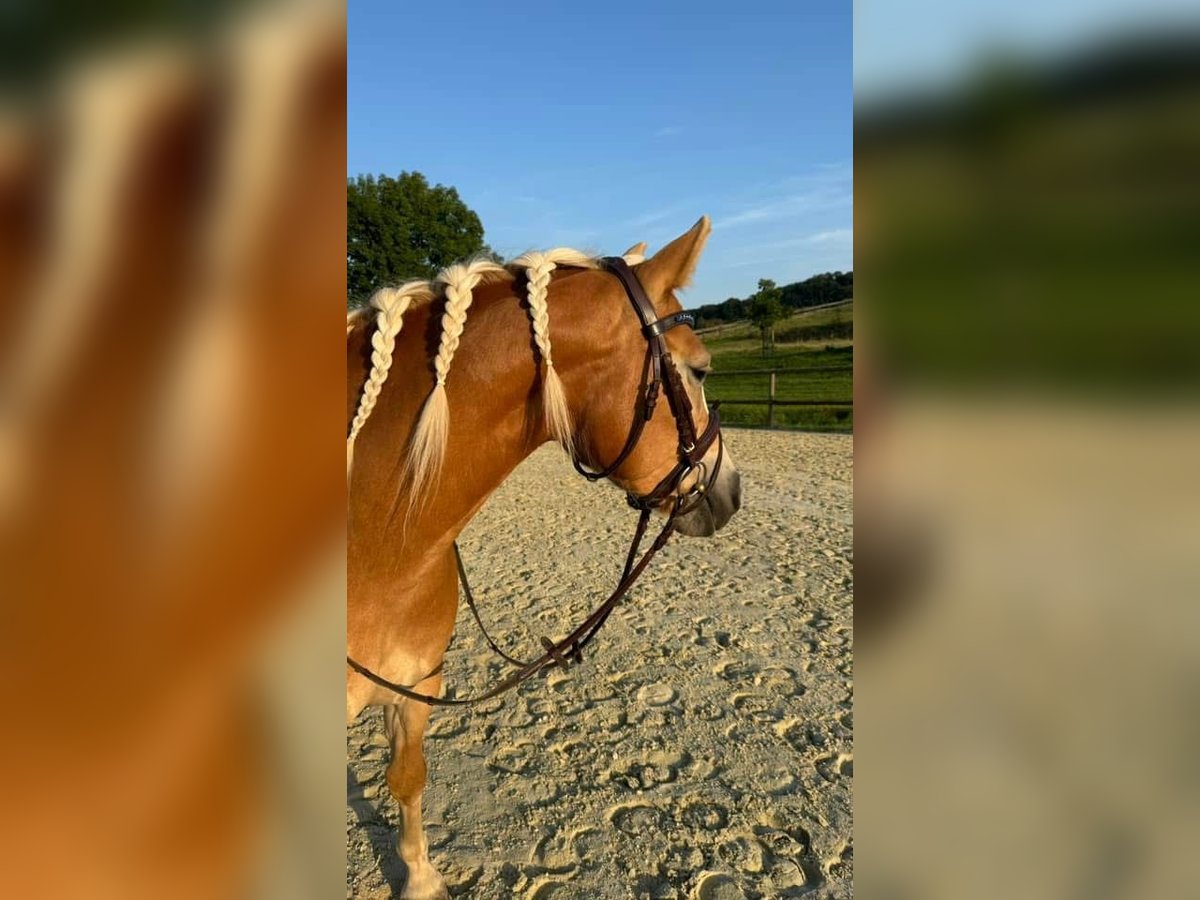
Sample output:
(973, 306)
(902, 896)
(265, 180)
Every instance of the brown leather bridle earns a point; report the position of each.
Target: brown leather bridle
(659, 375)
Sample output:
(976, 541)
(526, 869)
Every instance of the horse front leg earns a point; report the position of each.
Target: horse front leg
(405, 725)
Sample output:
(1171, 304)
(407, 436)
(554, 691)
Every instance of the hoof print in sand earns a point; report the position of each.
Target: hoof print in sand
(545, 888)
(447, 726)
(513, 759)
(718, 886)
(841, 867)
(807, 736)
(636, 819)
(598, 692)
(833, 768)
(656, 694)
(779, 682)
(460, 879)
(589, 843)
(704, 815)
(559, 682)
(742, 852)
(529, 793)
(756, 706)
(648, 771)
(779, 783)
(735, 670)
(781, 843)
(787, 873)
(707, 712)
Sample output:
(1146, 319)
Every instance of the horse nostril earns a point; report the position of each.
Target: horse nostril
(737, 491)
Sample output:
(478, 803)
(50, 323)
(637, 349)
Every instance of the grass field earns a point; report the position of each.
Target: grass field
(737, 348)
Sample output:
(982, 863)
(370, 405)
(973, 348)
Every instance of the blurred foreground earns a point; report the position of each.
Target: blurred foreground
(1027, 503)
(172, 274)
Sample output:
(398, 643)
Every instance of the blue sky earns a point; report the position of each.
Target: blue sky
(598, 129)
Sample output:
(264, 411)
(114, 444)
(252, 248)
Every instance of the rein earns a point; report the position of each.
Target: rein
(658, 373)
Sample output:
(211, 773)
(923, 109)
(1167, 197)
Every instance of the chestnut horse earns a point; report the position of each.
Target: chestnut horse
(443, 405)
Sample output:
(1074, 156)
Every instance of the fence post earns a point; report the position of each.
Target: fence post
(771, 402)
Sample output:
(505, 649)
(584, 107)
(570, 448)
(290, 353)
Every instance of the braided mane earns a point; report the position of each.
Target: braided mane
(427, 450)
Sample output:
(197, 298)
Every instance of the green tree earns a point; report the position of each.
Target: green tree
(401, 228)
(766, 308)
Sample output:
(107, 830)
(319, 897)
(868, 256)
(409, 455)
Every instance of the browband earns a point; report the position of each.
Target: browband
(666, 323)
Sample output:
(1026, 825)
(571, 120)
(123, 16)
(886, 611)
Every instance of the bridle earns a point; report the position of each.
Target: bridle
(659, 375)
(659, 371)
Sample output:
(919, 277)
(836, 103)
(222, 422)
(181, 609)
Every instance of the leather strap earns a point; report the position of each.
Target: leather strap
(470, 597)
(556, 653)
(642, 304)
(663, 370)
(666, 323)
(646, 403)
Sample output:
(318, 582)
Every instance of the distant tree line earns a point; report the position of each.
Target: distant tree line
(828, 287)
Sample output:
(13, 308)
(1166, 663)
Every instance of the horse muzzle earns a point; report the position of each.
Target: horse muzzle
(720, 502)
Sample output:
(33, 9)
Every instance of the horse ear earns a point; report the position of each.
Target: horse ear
(638, 249)
(673, 265)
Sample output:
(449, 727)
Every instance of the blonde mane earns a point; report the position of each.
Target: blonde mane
(538, 268)
(456, 283)
(390, 305)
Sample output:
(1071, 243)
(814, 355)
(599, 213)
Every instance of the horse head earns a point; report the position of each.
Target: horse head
(610, 375)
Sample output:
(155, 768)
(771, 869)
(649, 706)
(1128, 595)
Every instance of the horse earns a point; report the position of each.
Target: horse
(451, 384)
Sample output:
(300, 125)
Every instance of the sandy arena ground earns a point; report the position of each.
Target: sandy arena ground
(703, 750)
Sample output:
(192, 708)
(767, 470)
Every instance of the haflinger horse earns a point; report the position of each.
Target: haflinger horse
(451, 384)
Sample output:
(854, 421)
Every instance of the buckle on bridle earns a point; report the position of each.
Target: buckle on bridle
(701, 467)
(638, 503)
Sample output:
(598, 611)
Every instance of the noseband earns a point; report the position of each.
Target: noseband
(659, 375)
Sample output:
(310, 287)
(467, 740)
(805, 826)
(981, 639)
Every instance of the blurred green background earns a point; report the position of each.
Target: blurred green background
(1037, 224)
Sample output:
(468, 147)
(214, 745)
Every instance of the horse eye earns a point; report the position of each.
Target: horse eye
(700, 374)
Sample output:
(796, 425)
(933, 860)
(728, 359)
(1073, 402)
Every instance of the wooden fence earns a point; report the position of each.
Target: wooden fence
(771, 401)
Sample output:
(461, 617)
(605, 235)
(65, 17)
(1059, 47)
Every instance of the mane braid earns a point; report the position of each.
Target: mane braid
(390, 305)
(538, 268)
(427, 451)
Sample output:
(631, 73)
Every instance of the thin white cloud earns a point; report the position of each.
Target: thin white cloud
(831, 236)
(840, 172)
(677, 216)
(651, 218)
(754, 214)
(668, 131)
(834, 240)
(787, 207)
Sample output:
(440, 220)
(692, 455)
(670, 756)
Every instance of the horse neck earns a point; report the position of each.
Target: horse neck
(496, 416)
(493, 427)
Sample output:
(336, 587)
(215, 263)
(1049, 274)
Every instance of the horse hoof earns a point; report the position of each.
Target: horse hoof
(427, 887)
(438, 894)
